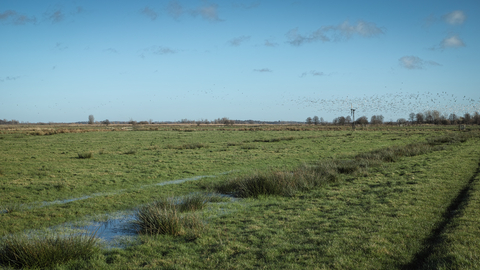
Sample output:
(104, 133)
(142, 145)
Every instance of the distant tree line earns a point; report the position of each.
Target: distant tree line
(315, 121)
(6, 122)
(429, 117)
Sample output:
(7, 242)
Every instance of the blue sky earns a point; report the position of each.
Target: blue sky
(61, 61)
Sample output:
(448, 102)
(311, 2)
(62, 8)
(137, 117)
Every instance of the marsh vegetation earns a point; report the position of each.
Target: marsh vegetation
(308, 196)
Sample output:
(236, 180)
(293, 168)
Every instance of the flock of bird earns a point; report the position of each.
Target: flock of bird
(399, 104)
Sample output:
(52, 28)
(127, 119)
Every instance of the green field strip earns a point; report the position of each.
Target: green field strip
(373, 222)
(456, 243)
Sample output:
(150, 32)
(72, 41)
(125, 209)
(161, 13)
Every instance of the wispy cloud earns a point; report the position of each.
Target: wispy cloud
(269, 43)
(79, 10)
(175, 9)
(414, 62)
(342, 31)
(111, 50)
(263, 70)
(157, 50)
(208, 12)
(150, 13)
(244, 5)
(453, 41)
(313, 73)
(238, 40)
(60, 46)
(456, 17)
(55, 16)
(13, 17)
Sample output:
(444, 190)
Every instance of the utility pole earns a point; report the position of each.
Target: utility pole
(352, 111)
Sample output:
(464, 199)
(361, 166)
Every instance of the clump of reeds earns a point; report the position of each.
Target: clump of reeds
(187, 146)
(166, 215)
(131, 152)
(46, 251)
(85, 155)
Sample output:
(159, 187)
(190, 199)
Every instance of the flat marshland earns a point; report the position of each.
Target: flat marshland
(273, 197)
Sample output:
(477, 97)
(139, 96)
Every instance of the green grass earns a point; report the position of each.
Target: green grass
(312, 198)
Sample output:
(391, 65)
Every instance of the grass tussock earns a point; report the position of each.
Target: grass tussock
(85, 155)
(131, 152)
(187, 146)
(287, 183)
(289, 138)
(46, 251)
(166, 215)
(306, 177)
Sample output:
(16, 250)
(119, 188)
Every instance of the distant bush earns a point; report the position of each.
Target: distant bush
(85, 155)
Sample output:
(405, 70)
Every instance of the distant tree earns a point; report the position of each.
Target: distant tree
(453, 118)
(411, 117)
(91, 119)
(106, 122)
(322, 121)
(309, 120)
(150, 121)
(476, 118)
(363, 120)
(467, 118)
(401, 121)
(316, 120)
(132, 122)
(376, 120)
(420, 117)
(341, 120)
(348, 120)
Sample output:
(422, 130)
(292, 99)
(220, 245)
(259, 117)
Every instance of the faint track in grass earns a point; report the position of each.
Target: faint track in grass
(454, 210)
(36, 205)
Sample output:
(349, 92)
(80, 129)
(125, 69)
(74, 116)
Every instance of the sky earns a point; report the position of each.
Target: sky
(269, 60)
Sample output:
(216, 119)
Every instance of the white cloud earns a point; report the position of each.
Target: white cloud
(246, 5)
(455, 17)
(238, 40)
(208, 12)
(345, 30)
(11, 16)
(414, 62)
(150, 13)
(268, 43)
(111, 50)
(175, 9)
(157, 50)
(55, 16)
(452, 42)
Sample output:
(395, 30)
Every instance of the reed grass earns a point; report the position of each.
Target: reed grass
(85, 155)
(46, 251)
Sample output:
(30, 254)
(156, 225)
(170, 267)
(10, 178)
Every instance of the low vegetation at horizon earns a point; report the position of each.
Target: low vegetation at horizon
(256, 196)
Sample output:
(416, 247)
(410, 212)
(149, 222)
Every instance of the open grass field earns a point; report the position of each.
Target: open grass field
(305, 197)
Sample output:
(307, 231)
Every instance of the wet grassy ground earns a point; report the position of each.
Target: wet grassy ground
(385, 219)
